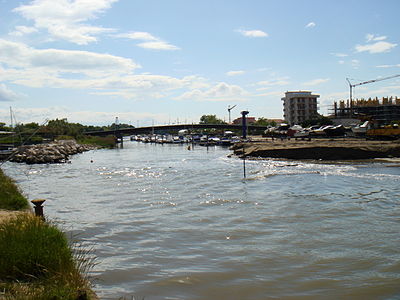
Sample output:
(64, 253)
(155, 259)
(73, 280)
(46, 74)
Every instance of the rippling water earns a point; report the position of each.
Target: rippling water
(169, 223)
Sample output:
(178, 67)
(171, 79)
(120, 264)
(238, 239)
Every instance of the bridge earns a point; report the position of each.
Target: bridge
(173, 128)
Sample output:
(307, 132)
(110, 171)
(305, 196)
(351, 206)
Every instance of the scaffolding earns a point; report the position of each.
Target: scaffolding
(382, 111)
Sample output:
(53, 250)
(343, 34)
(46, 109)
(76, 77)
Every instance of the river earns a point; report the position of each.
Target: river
(166, 222)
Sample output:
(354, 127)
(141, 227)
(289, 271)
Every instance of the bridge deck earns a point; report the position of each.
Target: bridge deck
(169, 128)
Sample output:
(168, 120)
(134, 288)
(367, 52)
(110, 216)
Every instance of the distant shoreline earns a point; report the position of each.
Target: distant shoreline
(318, 149)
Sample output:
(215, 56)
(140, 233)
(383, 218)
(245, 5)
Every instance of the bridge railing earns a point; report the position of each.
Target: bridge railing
(173, 128)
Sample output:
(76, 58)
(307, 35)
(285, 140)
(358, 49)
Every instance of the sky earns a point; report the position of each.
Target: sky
(172, 61)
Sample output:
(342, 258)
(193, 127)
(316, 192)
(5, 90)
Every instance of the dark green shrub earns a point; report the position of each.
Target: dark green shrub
(10, 196)
(105, 142)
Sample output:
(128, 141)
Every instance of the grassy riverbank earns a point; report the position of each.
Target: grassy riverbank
(36, 259)
(98, 141)
(103, 142)
(10, 196)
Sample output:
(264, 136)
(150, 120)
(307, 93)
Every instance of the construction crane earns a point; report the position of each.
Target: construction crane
(361, 83)
(229, 111)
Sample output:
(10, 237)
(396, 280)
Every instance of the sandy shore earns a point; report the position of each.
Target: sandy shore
(325, 149)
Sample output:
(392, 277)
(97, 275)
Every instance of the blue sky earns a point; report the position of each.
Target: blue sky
(169, 61)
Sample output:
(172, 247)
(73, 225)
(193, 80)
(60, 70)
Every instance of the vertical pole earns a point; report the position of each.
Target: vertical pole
(351, 100)
(244, 124)
(351, 97)
(244, 163)
(11, 124)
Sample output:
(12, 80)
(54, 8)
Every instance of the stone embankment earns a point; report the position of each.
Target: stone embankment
(54, 152)
(319, 149)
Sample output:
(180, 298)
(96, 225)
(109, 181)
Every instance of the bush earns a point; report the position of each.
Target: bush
(32, 249)
(10, 196)
(36, 261)
(105, 142)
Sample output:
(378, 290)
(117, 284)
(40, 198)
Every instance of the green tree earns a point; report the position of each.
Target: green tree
(3, 127)
(264, 122)
(211, 119)
(319, 120)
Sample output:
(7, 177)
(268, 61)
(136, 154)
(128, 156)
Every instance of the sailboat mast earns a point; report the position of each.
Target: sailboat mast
(11, 124)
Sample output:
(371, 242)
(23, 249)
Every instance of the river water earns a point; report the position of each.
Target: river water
(171, 223)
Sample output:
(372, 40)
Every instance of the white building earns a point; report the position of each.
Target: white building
(299, 106)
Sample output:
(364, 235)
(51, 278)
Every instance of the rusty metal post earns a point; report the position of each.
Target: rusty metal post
(38, 207)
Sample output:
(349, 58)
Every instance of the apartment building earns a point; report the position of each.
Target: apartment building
(299, 106)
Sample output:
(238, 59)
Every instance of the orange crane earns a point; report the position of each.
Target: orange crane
(361, 83)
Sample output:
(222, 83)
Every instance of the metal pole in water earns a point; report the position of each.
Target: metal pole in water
(244, 136)
(244, 163)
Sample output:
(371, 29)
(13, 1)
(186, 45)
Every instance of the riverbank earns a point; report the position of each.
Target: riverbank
(319, 149)
(54, 152)
(36, 259)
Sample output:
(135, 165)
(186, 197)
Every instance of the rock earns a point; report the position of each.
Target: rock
(55, 152)
(319, 149)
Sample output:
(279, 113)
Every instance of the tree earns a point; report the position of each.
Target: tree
(264, 122)
(211, 119)
(319, 120)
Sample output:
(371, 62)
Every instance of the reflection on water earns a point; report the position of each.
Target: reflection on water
(168, 223)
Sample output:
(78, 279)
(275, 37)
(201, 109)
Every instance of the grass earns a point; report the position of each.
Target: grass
(37, 261)
(104, 142)
(33, 248)
(10, 195)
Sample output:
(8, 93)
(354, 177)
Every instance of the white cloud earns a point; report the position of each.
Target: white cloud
(316, 81)
(40, 114)
(235, 73)
(253, 33)
(219, 92)
(137, 35)
(18, 55)
(100, 74)
(22, 30)
(375, 44)
(355, 63)
(159, 45)
(65, 19)
(371, 37)
(277, 94)
(340, 54)
(377, 47)
(310, 25)
(150, 41)
(275, 82)
(388, 66)
(6, 94)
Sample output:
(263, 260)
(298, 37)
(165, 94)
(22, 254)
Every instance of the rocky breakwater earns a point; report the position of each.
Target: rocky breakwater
(320, 149)
(54, 152)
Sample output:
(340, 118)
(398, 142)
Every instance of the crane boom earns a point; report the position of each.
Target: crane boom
(373, 80)
(229, 111)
